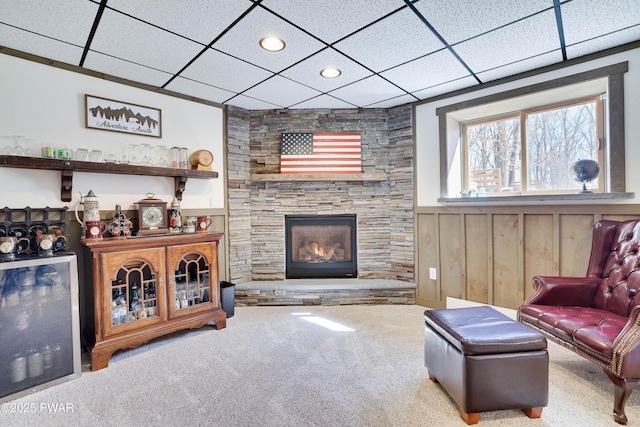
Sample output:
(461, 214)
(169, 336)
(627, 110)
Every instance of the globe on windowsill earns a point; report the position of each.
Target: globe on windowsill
(584, 170)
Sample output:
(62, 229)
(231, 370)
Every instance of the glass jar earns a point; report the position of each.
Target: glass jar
(174, 157)
(65, 153)
(183, 159)
(47, 151)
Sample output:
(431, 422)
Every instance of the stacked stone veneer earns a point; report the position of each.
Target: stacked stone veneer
(384, 208)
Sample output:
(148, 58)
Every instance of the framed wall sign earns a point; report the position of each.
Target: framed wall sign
(118, 116)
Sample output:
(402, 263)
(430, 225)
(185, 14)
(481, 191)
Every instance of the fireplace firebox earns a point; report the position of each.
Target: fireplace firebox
(321, 246)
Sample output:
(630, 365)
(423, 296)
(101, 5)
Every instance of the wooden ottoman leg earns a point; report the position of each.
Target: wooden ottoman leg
(432, 377)
(533, 412)
(471, 418)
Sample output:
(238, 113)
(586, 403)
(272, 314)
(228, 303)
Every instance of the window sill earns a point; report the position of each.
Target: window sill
(548, 199)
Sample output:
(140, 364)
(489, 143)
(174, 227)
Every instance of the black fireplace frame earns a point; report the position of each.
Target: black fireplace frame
(305, 270)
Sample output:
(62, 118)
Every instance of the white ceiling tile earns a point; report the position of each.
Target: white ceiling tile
(436, 68)
(520, 66)
(339, 18)
(126, 38)
(281, 91)
(385, 44)
(249, 103)
(242, 41)
(511, 43)
(149, 41)
(446, 87)
(458, 20)
(198, 20)
(67, 21)
(42, 46)
(125, 69)
(368, 91)
(586, 19)
(323, 101)
(199, 90)
(221, 70)
(393, 102)
(604, 42)
(309, 71)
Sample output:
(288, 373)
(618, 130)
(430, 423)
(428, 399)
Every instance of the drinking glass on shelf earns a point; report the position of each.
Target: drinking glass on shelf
(7, 145)
(82, 154)
(134, 154)
(28, 147)
(184, 158)
(96, 156)
(124, 156)
(147, 155)
(65, 153)
(19, 145)
(161, 157)
(47, 151)
(110, 156)
(174, 157)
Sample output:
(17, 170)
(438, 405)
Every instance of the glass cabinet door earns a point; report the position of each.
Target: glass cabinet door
(193, 283)
(134, 289)
(39, 323)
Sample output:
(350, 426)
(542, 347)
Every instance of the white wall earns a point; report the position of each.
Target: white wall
(427, 136)
(45, 103)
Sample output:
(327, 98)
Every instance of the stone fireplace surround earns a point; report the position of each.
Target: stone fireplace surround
(383, 206)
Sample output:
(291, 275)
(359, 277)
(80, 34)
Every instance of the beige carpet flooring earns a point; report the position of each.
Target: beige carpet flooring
(300, 366)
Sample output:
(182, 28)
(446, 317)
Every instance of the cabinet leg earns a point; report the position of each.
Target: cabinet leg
(100, 359)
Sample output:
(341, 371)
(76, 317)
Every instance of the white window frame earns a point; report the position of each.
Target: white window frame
(608, 80)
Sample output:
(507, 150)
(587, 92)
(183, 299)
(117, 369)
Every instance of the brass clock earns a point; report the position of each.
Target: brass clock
(152, 216)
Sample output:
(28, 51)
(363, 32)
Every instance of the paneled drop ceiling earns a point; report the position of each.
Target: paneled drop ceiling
(390, 52)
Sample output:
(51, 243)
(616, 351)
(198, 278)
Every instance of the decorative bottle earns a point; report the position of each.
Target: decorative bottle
(175, 217)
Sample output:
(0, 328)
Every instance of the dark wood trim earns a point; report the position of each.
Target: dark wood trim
(103, 76)
(546, 69)
(278, 177)
(616, 133)
(67, 167)
(616, 152)
(619, 68)
(444, 164)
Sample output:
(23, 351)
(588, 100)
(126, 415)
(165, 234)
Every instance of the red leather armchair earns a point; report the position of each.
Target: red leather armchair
(597, 316)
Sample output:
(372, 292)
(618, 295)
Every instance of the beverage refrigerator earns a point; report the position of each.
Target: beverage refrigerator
(39, 323)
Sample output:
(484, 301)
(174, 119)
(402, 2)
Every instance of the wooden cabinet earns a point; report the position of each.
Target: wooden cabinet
(145, 287)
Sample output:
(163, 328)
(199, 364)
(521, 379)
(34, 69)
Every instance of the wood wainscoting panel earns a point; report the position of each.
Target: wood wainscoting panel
(452, 257)
(427, 256)
(575, 248)
(507, 277)
(478, 253)
(489, 254)
(538, 249)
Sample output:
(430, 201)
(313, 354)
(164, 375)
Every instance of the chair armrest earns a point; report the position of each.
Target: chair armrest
(565, 291)
(626, 348)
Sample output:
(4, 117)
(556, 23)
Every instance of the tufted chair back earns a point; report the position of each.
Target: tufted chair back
(615, 259)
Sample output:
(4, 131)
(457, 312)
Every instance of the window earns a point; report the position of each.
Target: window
(544, 142)
(522, 142)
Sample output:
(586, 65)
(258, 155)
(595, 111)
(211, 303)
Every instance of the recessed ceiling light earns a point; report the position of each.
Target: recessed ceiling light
(272, 44)
(330, 73)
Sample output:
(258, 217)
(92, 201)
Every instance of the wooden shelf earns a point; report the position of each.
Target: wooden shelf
(279, 177)
(67, 167)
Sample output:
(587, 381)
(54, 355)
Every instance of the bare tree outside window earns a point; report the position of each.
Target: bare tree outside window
(495, 145)
(552, 139)
(555, 139)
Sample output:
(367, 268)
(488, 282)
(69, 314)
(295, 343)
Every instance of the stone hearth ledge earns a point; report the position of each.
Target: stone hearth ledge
(325, 292)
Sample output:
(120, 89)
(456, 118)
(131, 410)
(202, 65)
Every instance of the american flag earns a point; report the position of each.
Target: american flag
(321, 153)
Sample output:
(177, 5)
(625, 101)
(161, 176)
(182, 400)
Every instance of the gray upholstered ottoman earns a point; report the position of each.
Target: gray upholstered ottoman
(486, 361)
